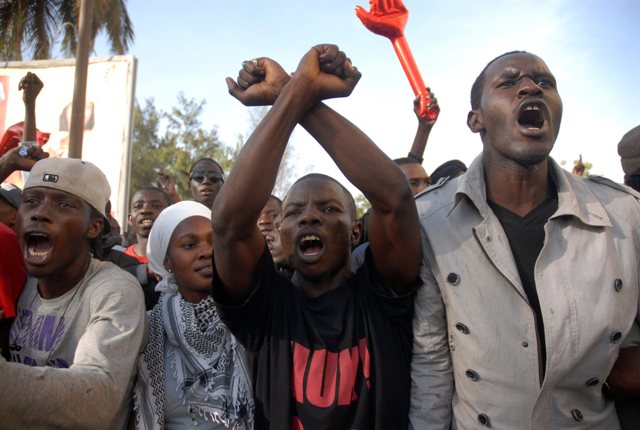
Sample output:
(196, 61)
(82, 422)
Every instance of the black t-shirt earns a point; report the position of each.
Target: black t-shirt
(338, 361)
(526, 238)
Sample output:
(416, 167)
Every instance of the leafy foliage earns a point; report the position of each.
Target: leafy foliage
(30, 27)
(170, 142)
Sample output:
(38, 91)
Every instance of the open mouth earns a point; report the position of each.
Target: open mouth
(146, 223)
(311, 245)
(39, 245)
(205, 270)
(531, 117)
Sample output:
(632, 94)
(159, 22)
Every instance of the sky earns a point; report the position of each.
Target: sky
(591, 46)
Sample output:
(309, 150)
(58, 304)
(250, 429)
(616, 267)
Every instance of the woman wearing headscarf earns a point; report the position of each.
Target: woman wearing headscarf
(192, 370)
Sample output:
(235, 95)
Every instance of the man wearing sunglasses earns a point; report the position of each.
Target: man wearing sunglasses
(205, 180)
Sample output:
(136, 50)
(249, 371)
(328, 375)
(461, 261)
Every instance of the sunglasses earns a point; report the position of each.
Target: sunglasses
(212, 176)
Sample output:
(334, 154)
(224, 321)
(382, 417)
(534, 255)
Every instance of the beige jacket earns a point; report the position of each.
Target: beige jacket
(473, 324)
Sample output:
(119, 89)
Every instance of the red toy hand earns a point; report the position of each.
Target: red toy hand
(386, 18)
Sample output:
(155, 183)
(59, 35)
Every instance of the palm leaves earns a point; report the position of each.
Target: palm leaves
(31, 27)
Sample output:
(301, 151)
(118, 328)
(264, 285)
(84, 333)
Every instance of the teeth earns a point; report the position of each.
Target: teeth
(204, 268)
(35, 242)
(310, 237)
(146, 222)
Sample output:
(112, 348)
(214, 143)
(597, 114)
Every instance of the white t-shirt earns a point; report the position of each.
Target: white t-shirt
(96, 330)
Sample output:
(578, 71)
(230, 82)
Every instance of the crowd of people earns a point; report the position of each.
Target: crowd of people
(505, 295)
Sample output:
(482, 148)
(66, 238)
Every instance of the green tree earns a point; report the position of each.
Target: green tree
(170, 142)
(30, 27)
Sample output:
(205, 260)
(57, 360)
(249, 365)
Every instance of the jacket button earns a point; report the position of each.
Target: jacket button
(472, 374)
(453, 279)
(462, 328)
(525, 344)
(615, 336)
(617, 284)
(592, 382)
(484, 420)
(577, 415)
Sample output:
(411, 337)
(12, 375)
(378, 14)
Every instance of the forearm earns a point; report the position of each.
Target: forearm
(8, 164)
(420, 141)
(251, 181)
(46, 397)
(29, 121)
(394, 233)
(352, 151)
(5, 168)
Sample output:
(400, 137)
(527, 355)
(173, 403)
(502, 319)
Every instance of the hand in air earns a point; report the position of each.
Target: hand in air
(259, 82)
(15, 161)
(166, 183)
(328, 71)
(432, 106)
(386, 18)
(31, 85)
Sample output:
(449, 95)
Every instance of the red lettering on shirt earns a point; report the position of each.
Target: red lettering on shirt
(349, 360)
(300, 358)
(323, 375)
(324, 378)
(366, 362)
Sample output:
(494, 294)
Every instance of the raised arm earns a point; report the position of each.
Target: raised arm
(394, 233)
(424, 127)
(237, 240)
(30, 85)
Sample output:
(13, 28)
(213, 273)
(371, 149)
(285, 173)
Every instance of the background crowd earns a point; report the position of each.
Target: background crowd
(502, 295)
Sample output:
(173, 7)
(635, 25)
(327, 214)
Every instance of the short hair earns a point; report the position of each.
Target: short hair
(205, 159)
(476, 88)
(406, 160)
(276, 198)
(153, 189)
(351, 203)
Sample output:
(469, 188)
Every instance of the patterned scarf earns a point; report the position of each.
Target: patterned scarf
(205, 361)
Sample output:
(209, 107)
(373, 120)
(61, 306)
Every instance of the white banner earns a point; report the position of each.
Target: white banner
(108, 114)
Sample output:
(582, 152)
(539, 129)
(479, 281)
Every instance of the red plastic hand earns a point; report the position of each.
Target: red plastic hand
(387, 18)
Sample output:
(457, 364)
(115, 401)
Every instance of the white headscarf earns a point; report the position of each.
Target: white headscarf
(163, 228)
(207, 362)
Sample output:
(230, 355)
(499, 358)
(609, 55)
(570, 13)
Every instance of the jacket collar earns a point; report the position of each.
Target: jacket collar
(574, 196)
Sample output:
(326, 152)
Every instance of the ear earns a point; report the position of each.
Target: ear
(166, 263)
(95, 228)
(475, 121)
(356, 232)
